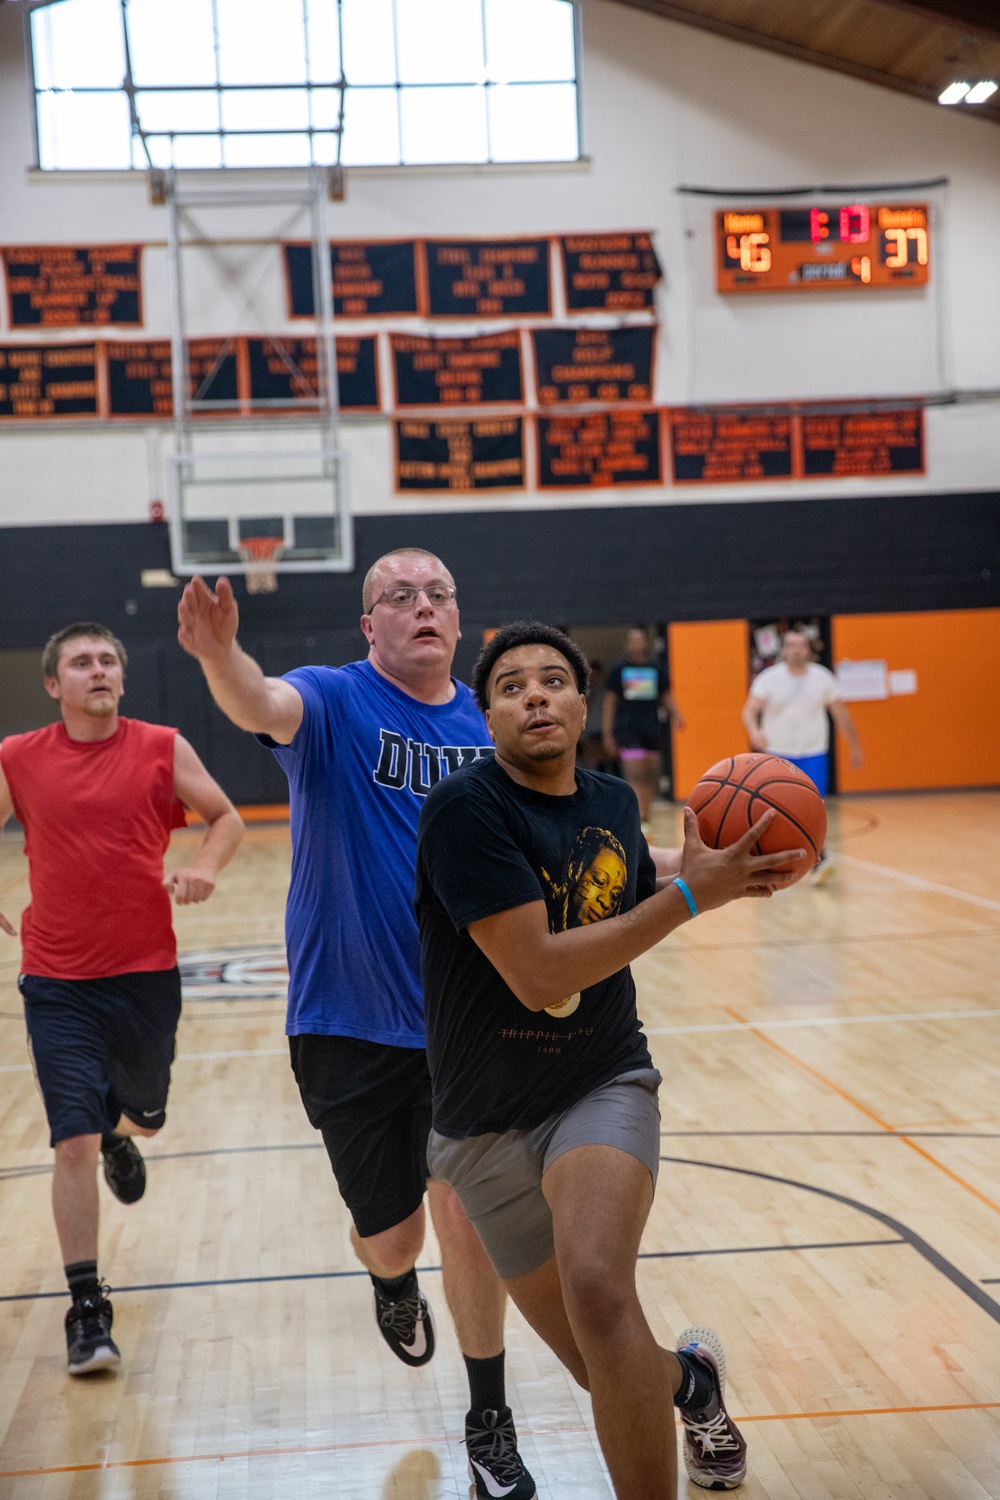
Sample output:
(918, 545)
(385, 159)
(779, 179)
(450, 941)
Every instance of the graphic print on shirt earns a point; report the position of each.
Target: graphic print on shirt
(592, 888)
(404, 762)
(640, 684)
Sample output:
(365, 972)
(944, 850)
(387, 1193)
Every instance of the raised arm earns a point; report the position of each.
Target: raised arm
(208, 625)
(6, 811)
(753, 708)
(542, 967)
(197, 790)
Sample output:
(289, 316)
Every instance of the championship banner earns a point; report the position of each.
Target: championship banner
(864, 442)
(456, 454)
(140, 382)
(72, 286)
(724, 447)
(599, 450)
(594, 364)
(57, 380)
(284, 371)
(609, 272)
(454, 372)
(369, 279)
(488, 278)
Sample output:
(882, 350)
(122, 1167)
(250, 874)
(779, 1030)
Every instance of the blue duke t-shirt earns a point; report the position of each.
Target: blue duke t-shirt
(363, 760)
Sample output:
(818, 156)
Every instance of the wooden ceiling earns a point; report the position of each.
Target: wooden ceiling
(915, 48)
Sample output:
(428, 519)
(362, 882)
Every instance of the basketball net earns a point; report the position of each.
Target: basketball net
(258, 555)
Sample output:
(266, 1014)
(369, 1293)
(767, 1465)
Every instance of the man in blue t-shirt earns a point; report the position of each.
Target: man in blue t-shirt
(362, 745)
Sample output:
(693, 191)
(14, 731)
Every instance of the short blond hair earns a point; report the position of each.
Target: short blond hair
(368, 587)
(82, 628)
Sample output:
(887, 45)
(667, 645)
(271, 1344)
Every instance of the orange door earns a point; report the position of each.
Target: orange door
(709, 674)
(947, 732)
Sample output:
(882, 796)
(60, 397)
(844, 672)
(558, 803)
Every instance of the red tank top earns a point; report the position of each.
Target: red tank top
(97, 818)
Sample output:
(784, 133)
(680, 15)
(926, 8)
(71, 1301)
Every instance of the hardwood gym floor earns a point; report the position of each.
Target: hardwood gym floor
(829, 1200)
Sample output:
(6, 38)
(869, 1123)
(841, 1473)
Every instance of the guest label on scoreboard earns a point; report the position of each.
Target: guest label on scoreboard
(594, 364)
(821, 247)
(488, 278)
(370, 279)
(723, 447)
(460, 455)
(599, 450)
(71, 286)
(864, 442)
(60, 380)
(610, 272)
(284, 371)
(450, 372)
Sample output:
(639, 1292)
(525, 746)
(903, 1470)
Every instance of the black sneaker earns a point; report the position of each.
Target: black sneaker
(407, 1325)
(89, 1345)
(124, 1168)
(495, 1466)
(715, 1454)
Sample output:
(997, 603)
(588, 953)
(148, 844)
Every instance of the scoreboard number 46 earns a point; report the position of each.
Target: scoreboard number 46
(857, 245)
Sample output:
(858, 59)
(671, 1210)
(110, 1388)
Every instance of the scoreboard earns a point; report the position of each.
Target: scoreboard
(822, 247)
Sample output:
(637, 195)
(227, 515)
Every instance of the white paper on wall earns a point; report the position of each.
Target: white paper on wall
(862, 681)
(902, 682)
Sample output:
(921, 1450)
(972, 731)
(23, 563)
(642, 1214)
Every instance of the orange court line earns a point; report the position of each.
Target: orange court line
(426, 1442)
(857, 1104)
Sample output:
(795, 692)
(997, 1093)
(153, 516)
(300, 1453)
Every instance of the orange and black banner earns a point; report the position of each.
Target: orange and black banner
(714, 445)
(73, 286)
(867, 443)
(594, 364)
(460, 454)
(609, 272)
(488, 278)
(284, 371)
(53, 380)
(455, 372)
(370, 279)
(599, 450)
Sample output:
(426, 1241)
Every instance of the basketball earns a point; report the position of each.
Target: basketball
(734, 794)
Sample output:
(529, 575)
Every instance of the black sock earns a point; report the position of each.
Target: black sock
(697, 1386)
(486, 1384)
(393, 1287)
(82, 1279)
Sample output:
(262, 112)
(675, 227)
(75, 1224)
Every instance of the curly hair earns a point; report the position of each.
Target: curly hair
(526, 633)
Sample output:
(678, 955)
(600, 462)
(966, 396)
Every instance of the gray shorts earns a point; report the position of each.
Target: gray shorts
(498, 1177)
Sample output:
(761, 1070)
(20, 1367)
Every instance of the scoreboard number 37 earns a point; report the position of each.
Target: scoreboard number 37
(812, 249)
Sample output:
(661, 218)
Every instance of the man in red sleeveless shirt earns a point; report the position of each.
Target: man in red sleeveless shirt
(97, 795)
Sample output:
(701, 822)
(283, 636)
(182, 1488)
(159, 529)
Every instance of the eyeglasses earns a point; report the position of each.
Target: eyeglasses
(404, 595)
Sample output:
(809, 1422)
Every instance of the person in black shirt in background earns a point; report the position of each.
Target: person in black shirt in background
(535, 890)
(635, 691)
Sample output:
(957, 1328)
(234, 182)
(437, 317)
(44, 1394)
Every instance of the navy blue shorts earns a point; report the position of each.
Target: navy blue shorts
(102, 1048)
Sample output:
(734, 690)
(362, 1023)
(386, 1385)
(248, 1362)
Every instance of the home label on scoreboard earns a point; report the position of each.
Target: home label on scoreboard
(855, 245)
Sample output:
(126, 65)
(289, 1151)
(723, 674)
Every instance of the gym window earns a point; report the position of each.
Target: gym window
(128, 84)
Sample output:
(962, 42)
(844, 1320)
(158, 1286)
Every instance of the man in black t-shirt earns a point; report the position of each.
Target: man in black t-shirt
(636, 689)
(535, 890)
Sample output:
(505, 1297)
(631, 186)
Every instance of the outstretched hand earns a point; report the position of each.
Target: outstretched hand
(208, 621)
(718, 876)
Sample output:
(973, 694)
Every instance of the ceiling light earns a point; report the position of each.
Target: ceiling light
(954, 93)
(980, 92)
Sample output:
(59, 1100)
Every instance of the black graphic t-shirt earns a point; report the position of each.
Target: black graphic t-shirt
(485, 845)
(638, 689)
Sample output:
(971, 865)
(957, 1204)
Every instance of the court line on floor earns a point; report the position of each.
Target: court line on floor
(804, 1022)
(690, 946)
(857, 1104)
(300, 1450)
(934, 1257)
(177, 1286)
(917, 881)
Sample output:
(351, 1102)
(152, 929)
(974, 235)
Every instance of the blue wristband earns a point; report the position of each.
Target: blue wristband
(685, 891)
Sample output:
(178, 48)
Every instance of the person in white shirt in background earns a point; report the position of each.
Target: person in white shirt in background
(786, 714)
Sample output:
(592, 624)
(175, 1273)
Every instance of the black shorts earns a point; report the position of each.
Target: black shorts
(639, 739)
(372, 1104)
(102, 1048)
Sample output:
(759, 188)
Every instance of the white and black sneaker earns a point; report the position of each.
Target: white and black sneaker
(407, 1325)
(715, 1453)
(495, 1466)
(89, 1345)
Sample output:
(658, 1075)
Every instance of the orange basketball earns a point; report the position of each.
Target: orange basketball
(734, 794)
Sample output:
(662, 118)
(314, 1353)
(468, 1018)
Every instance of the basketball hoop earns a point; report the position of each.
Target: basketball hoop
(258, 555)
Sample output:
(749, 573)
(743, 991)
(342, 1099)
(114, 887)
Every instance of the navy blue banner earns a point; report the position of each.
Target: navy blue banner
(369, 280)
(599, 450)
(594, 364)
(460, 455)
(71, 286)
(488, 278)
(59, 380)
(454, 372)
(610, 272)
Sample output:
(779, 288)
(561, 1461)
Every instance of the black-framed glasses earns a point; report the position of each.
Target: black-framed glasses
(405, 595)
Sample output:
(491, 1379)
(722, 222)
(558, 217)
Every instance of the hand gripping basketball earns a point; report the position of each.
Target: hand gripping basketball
(718, 876)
